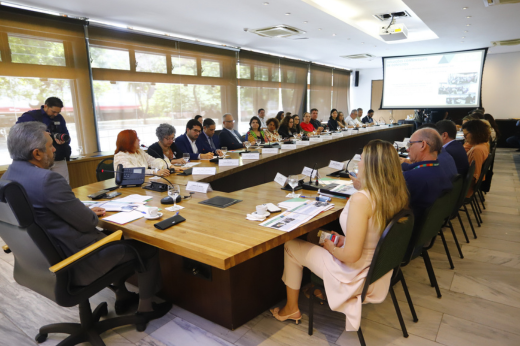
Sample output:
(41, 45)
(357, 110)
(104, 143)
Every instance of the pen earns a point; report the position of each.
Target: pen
(177, 214)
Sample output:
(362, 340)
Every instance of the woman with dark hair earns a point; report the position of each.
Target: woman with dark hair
(199, 118)
(280, 116)
(255, 135)
(129, 154)
(286, 129)
(333, 122)
(341, 120)
(476, 134)
(493, 124)
(272, 130)
(166, 145)
(296, 125)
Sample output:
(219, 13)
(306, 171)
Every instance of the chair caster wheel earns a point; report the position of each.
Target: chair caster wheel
(41, 338)
(140, 327)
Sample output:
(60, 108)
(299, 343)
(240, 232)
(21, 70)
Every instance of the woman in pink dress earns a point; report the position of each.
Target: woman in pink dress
(343, 268)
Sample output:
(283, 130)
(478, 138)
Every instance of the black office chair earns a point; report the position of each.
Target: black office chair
(453, 205)
(41, 266)
(107, 164)
(486, 183)
(388, 256)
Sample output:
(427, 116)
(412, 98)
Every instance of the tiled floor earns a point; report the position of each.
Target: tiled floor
(480, 302)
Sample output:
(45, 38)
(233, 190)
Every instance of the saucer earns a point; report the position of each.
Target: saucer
(153, 218)
(264, 215)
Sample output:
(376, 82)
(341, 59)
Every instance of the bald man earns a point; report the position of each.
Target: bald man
(425, 179)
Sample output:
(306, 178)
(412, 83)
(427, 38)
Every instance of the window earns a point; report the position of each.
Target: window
(154, 63)
(262, 73)
(109, 58)
(19, 95)
(27, 50)
(244, 71)
(210, 68)
(143, 106)
(182, 65)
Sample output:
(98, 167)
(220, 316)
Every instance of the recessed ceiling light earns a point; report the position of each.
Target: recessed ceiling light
(468, 24)
(266, 3)
(333, 34)
(362, 42)
(306, 22)
(375, 46)
(319, 28)
(465, 8)
(465, 30)
(287, 14)
(463, 37)
(468, 17)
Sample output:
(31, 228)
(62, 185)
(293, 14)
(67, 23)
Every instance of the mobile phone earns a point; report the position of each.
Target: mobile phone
(112, 194)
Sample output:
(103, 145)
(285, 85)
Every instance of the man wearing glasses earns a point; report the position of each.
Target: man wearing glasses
(186, 143)
(230, 137)
(425, 178)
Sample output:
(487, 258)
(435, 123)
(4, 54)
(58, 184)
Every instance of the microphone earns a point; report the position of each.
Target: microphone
(310, 185)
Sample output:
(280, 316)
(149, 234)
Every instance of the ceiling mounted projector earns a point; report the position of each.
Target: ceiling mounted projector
(393, 32)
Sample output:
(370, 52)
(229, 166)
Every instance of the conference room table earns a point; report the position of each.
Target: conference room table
(217, 264)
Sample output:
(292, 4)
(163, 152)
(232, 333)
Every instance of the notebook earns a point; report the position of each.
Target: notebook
(220, 202)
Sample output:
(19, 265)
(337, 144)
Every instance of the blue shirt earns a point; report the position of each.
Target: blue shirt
(425, 185)
(54, 125)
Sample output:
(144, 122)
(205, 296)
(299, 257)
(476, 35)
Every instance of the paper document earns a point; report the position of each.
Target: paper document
(134, 199)
(124, 217)
(116, 205)
(292, 203)
(297, 216)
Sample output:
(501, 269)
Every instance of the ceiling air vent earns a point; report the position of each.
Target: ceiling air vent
(358, 56)
(500, 2)
(281, 31)
(401, 14)
(506, 42)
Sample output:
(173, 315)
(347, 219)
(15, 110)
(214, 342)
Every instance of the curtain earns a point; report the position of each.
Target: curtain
(43, 56)
(321, 90)
(294, 85)
(341, 90)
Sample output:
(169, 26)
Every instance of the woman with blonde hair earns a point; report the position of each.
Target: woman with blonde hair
(344, 267)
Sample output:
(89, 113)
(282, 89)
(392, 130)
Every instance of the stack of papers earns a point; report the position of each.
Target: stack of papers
(134, 199)
(125, 217)
(292, 203)
(116, 205)
(297, 216)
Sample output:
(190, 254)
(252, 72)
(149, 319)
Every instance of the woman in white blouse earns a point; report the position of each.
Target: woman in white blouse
(129, 154)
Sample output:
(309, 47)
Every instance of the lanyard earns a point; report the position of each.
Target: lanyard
(426, 165)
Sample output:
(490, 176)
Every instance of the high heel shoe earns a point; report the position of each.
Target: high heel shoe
(287, 317)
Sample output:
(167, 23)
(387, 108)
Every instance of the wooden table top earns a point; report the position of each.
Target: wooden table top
(221, 238)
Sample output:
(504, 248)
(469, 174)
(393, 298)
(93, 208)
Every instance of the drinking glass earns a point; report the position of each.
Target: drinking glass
(224, 151)
(247, 144)
(186, 157)
(293, 182)
(80, 152)
(174, 191)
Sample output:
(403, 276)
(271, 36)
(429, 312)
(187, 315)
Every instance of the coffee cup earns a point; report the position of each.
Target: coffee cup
(152, 211)
(261, 209)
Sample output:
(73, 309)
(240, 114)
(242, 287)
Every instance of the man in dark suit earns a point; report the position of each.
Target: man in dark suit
(207, 142)
(229, 137)
(71, 225)
(187, 143)
(448, 132)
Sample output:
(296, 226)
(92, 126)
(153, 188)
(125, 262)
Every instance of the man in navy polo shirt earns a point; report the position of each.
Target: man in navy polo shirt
(425, 179)
(49, 114)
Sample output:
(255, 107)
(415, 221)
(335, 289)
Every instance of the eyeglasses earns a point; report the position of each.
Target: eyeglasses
(229, 121)
(409, 144)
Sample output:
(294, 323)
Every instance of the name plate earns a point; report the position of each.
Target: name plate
(198, 187)
(288, 146)
(315, 139)
(228, 162)
(270, 151)
(204, 171)
(336, 165)
(280, 179)
(250, 156)
(337, 135)
(308, 171)
(303, 143)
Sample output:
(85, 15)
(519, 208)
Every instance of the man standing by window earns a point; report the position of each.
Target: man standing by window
(49, 114)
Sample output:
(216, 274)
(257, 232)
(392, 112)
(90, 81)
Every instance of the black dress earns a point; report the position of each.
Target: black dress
(156, 151)
(285, 132)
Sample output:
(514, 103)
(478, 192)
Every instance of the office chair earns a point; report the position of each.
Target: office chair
(42, 267)
(388, 256)
(107, 164)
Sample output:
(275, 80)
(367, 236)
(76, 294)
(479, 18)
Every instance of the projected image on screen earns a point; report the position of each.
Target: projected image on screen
(435, 80)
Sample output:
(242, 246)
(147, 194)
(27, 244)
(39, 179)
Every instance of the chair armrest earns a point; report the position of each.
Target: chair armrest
(6, 249)
(117, 235)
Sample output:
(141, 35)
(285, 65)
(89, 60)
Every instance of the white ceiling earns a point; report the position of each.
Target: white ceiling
(224, 21)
